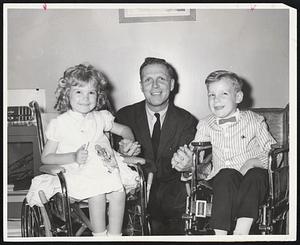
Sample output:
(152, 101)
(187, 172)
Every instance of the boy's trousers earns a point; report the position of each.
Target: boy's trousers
(235, 195)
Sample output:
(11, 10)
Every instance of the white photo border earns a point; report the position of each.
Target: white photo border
(293, 123)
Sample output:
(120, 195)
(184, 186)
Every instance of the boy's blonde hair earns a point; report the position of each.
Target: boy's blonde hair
(80, 75)
(218, 75)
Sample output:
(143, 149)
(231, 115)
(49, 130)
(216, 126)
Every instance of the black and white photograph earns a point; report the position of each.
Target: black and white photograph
(149, 122)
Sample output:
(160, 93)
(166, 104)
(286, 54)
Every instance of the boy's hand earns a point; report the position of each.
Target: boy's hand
(81, 155)
(129, 147)
(250, 163)
(182, 159)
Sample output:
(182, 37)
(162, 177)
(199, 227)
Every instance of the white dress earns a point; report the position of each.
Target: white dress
(100, 174)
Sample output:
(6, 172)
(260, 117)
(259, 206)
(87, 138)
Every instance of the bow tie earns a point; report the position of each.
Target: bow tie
(226, 120)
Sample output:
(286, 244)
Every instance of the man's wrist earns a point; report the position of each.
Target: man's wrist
(186, 176)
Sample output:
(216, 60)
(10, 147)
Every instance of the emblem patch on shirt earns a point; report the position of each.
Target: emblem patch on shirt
(109, 161)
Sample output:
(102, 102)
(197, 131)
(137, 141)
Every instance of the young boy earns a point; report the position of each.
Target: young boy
(240, 144)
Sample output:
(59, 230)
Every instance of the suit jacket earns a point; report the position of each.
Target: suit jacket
(179, 128)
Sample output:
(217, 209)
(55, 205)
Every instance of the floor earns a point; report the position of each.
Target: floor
(14, 228)
(14, 206)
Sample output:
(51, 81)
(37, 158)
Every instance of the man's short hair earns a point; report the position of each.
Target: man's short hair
(153, 60)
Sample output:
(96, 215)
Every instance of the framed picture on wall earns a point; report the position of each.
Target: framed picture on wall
(156, 15)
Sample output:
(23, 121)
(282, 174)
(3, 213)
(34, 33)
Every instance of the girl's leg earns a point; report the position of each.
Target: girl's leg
(251, 195)
(97, 210)
(116, 212)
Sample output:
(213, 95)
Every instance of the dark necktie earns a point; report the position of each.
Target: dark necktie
(226, 120)
(156, 134)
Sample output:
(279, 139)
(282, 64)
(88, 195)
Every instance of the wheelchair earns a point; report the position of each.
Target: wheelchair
(63, 216)
(274, 213)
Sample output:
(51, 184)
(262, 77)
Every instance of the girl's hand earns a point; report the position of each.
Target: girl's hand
(129, 148)
(81, 155)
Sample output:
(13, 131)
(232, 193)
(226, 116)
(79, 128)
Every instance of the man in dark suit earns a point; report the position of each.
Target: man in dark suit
(160, 127)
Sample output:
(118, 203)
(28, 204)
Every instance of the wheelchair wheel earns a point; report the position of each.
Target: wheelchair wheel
(31, 221)
(280, 225)
(135, 221)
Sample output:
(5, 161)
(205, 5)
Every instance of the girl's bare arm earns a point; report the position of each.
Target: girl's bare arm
(122, 130)
(49, 155)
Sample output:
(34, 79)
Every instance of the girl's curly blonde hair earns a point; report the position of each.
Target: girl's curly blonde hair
(80, 75)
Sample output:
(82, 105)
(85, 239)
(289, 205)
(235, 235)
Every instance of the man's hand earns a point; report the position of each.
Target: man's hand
(182, 159)
(129, 147)
(81, 155)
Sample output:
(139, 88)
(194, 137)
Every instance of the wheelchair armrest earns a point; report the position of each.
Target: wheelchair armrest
(203, 170)
(52, 169)
(149, 184)
(149, 180)
(132, 160)
(202, 145)
(278, 148)
(206, 184)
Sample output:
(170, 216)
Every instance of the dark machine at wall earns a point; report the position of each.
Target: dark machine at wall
(22, 150)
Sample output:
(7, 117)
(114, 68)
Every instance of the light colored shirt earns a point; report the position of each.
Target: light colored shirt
(71, 130)
(235, 143)
(152, 119)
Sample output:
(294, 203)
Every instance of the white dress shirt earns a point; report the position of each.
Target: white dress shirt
(152, 119)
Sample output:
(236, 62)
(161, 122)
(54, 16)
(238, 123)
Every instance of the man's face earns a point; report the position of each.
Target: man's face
(156, 84)
(223, 98)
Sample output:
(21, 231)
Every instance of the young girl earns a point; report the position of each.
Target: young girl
(77, 140)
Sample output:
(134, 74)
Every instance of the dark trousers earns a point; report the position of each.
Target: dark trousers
(235, 195)
(166, 207)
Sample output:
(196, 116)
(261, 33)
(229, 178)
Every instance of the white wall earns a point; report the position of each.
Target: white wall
(254, 44)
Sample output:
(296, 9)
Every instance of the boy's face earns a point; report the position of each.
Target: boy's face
(223, 98)
(156, 84)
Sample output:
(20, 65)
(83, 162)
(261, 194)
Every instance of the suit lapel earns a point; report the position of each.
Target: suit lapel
(143, 127)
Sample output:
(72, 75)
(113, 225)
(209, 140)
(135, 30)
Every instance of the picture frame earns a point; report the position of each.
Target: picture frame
(156, 15)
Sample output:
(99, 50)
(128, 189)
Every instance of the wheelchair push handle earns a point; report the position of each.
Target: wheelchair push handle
(39, 125)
